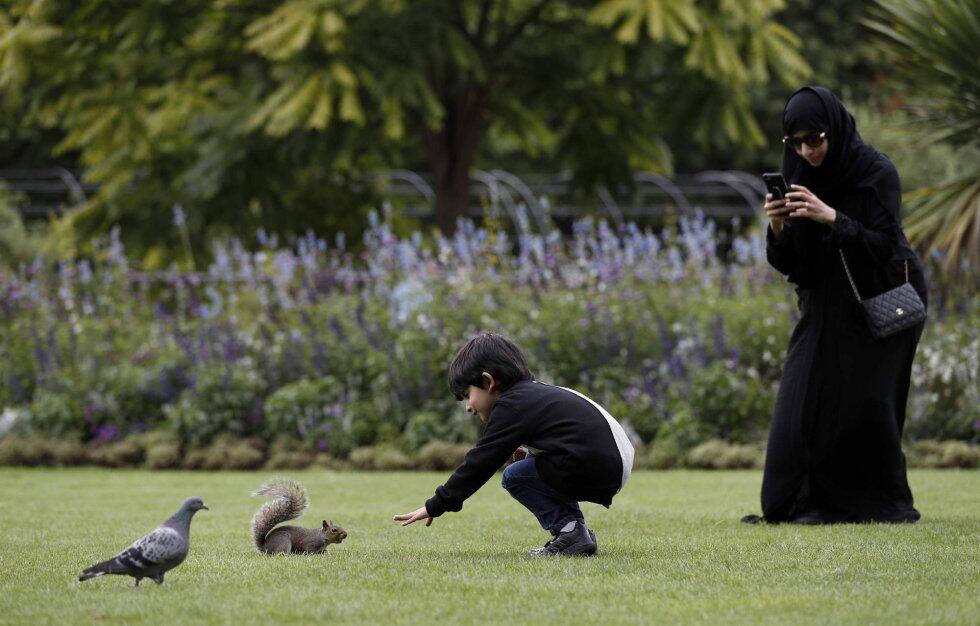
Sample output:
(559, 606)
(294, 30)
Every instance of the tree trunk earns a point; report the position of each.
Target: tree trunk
(451, 151)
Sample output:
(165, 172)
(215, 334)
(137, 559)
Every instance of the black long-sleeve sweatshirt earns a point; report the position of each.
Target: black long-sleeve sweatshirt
(580, 450)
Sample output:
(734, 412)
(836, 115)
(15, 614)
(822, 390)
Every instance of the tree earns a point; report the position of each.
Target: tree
(934, 46)
(224, 105)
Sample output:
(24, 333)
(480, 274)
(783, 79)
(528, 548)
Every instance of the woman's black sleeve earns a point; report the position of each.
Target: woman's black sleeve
(878, 234)
(780, 252)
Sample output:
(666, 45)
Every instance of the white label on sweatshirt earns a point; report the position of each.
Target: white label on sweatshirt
(622, 441)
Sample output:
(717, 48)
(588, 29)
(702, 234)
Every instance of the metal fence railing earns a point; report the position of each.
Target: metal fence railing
(531, 201)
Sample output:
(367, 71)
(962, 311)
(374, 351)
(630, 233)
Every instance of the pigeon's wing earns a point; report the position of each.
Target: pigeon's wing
(161, 547)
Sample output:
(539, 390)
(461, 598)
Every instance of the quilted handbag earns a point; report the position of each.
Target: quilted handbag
(893, 311)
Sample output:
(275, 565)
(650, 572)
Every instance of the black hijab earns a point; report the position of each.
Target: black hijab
(850, 163)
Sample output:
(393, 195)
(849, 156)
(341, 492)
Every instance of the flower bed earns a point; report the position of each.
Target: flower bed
(332, 350)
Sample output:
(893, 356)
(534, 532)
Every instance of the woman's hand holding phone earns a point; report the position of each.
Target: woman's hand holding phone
(776, 211)
(805, 203)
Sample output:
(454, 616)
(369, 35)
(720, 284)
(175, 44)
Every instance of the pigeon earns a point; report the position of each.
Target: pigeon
(155, 554)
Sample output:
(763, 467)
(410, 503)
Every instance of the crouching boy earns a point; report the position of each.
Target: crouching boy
(577, 451)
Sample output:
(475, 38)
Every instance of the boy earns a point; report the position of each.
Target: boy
(578, 451)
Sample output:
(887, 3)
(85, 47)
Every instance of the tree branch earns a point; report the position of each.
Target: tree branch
(518, 30)
(481, 29)
(460, 21)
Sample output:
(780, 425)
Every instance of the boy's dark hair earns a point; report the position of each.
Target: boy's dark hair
(489, 353)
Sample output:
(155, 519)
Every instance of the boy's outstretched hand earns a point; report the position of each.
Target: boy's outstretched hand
(414, 516)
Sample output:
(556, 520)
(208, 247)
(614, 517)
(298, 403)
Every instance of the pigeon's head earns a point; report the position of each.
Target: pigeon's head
(194, 504)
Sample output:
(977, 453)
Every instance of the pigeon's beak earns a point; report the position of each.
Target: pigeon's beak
(205, 508)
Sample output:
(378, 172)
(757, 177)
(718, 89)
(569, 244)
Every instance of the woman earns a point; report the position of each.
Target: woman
(834, 452)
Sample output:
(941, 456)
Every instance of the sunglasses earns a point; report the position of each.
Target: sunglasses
(813, 140)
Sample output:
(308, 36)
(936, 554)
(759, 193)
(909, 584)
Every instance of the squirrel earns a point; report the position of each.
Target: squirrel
(289, 503)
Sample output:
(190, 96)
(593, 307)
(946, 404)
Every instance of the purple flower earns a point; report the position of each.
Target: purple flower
(104, 433)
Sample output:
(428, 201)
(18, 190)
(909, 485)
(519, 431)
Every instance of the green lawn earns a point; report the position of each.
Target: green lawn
(671, 550)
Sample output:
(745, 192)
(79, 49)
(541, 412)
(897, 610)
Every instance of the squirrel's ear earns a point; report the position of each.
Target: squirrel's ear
(325, 525)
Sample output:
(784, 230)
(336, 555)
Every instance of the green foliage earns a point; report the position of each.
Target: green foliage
(362, 458)
(223, 402)
(291, 460)
(720, 402)
(450, 426)
(164, 455)
(313, 411)
(718, 454)
(389, 459)
(681, 350)
(893, 131)
(664, 453)
(441, 455)
(56, 414)
(119, 454)
(274, 115)
(26, 451)
(948, 374)
(943, 454)
(14, 240)
(383, 457)
(932, 43)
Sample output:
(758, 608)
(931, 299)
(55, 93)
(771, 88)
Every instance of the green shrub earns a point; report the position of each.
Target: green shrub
(295, 460)
(720, 402)
(634, 408)
(228, 452)
(717, 454)
(118, 398)
(325, 461)
(943, 454)
(242, 456)
(26, 451)
(285, 443)
(164, 455)
(451, 426)
(362, 458)
(16, 244)
(120, 454)
(37, 451)
(315, 411)
(388, 459)
(56, 414)
(149, 439)
(223, 402)
(664, 453)
(442, 455)
(195, 459)
(370, 421)
(69, 453)
(944, 402)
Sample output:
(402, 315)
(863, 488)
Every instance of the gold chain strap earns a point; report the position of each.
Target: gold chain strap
(851, 278)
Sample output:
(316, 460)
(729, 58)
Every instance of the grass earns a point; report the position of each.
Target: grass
(671, 551)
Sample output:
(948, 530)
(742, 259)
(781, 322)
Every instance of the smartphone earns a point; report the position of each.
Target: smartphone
(776, 185)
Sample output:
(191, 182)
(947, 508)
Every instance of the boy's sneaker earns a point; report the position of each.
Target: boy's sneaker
(579, 541)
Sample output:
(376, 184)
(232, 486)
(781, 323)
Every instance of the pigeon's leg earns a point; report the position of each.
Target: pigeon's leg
(158, 579)
(137, 582)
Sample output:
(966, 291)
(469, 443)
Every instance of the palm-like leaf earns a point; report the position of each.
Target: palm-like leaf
(934, 44)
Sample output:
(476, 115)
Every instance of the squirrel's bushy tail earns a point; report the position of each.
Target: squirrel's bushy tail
(289, 501)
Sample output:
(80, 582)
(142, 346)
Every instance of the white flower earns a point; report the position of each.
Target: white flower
(7, 419)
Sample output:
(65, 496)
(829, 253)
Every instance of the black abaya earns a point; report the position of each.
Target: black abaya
(835, 441)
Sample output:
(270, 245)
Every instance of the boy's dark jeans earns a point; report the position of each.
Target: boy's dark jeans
(553, 510)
